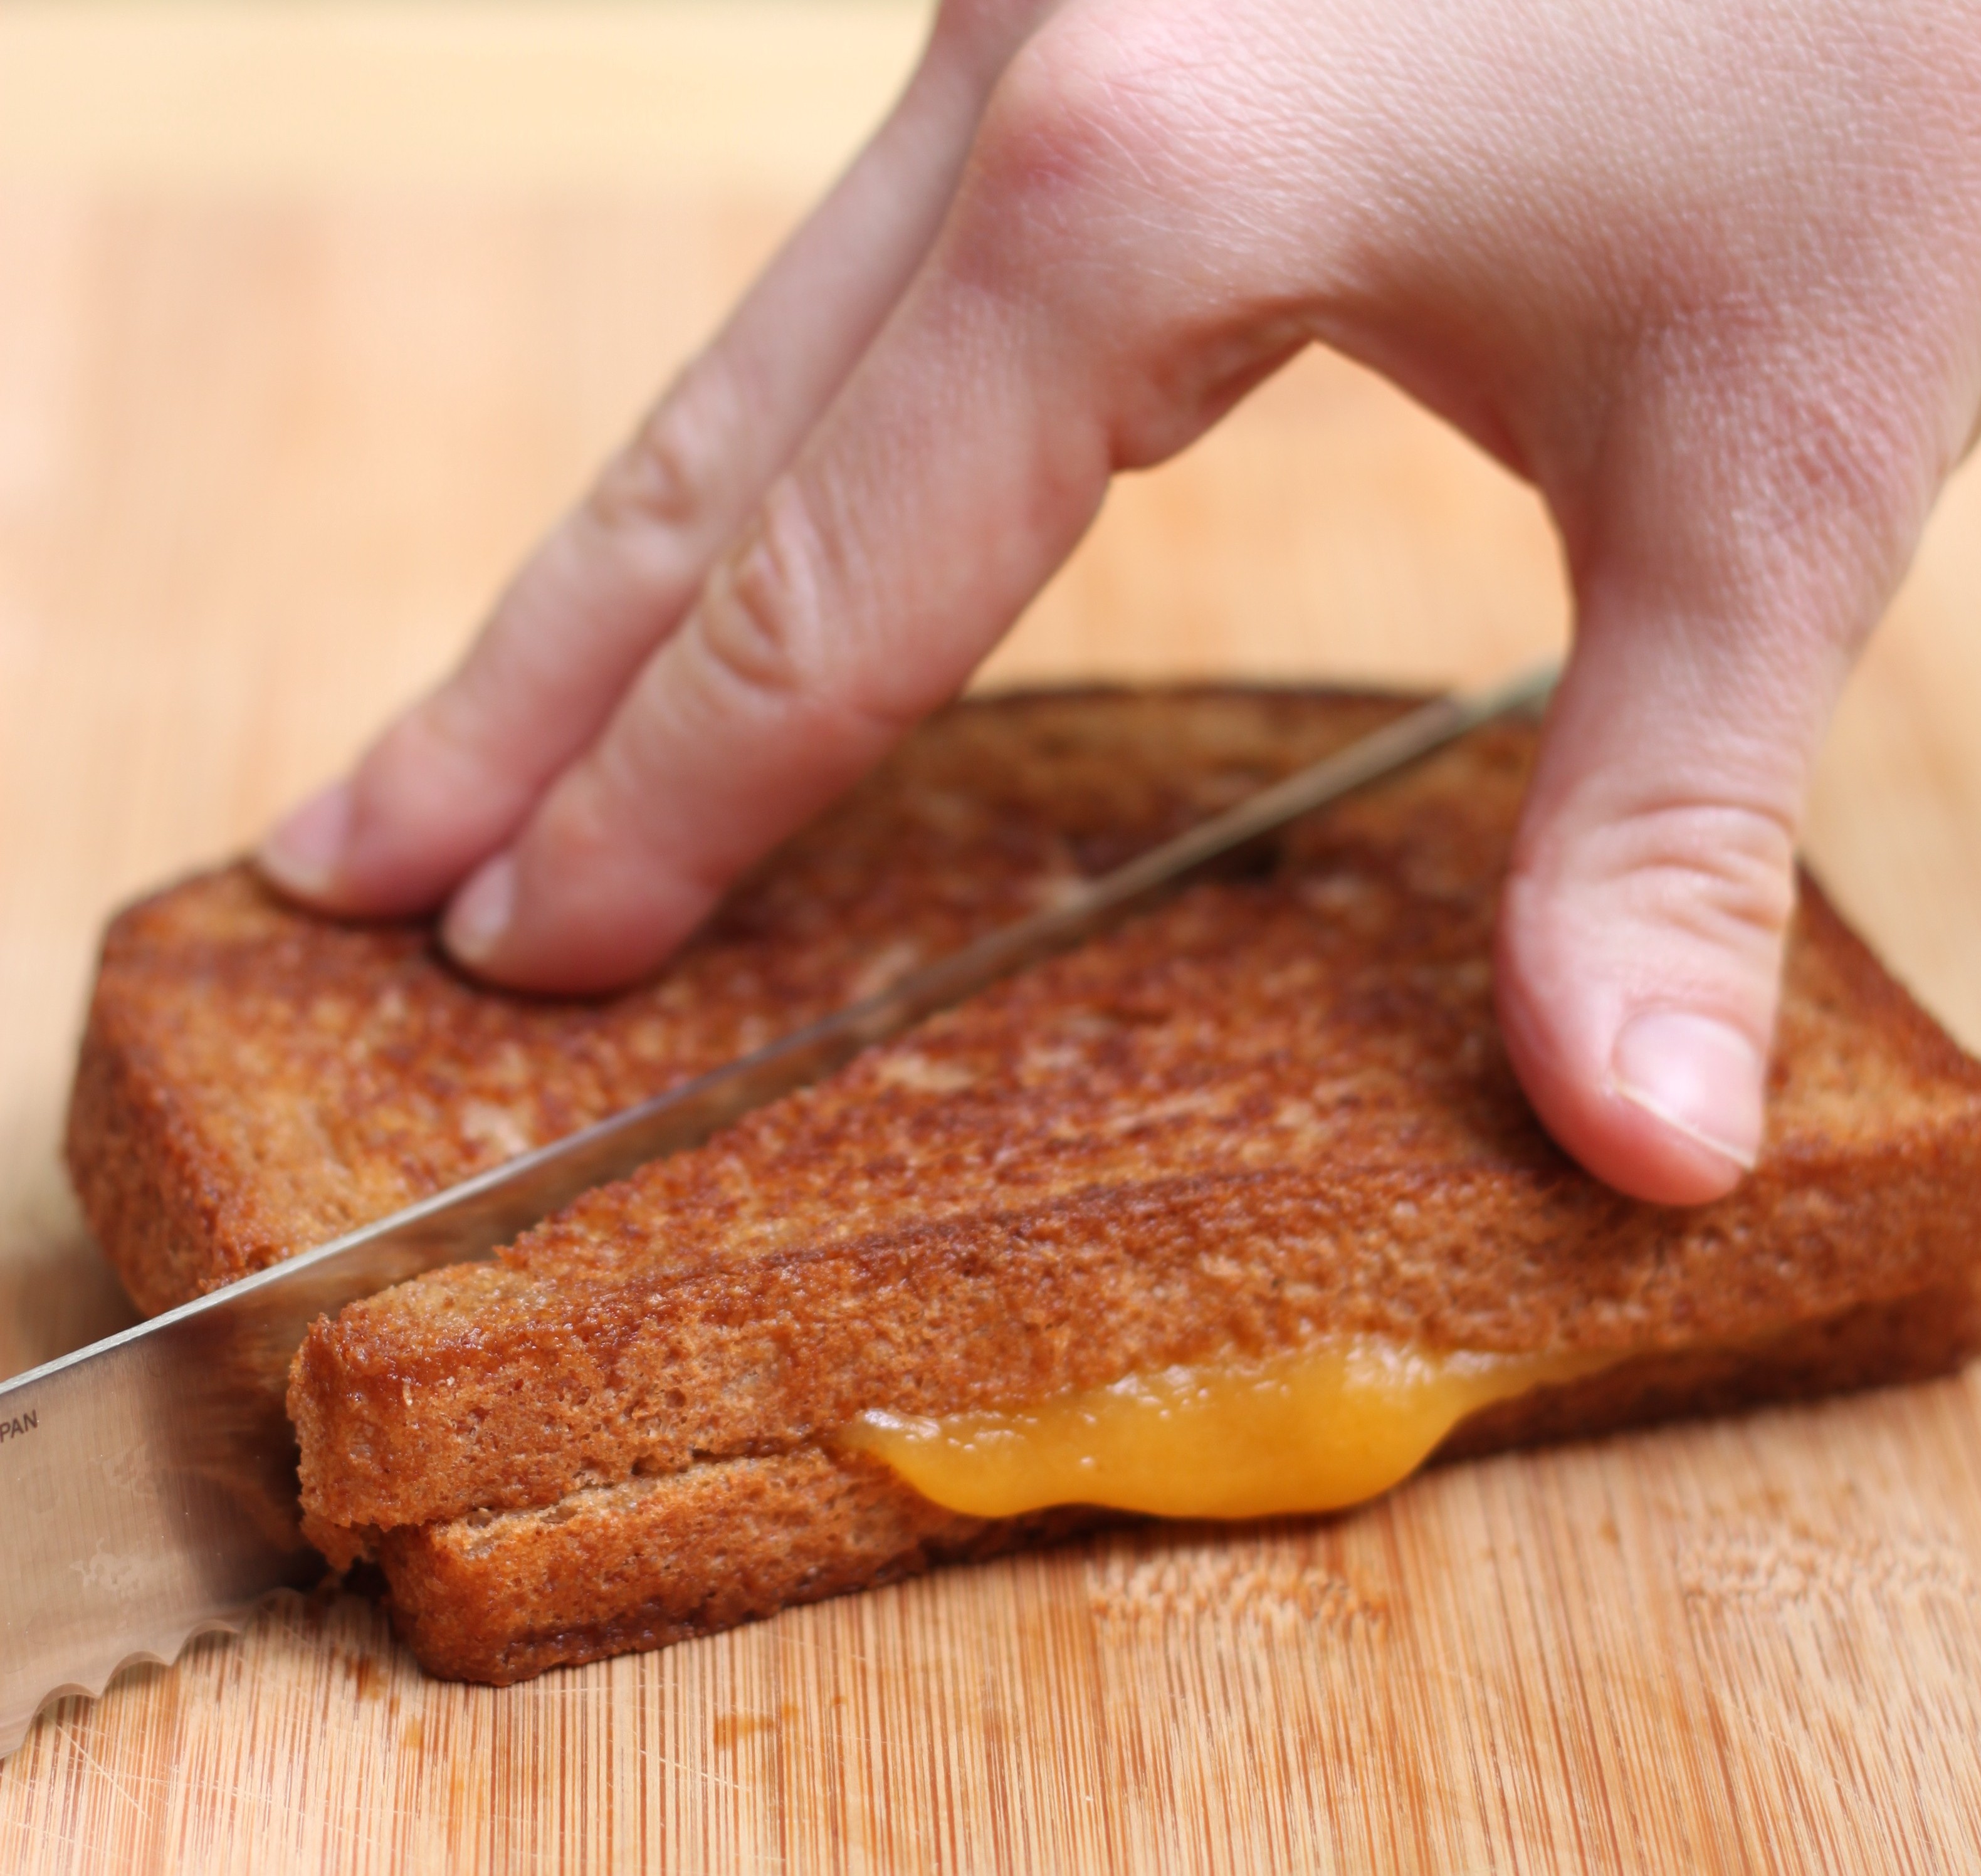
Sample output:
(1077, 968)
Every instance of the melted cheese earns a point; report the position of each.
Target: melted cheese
(1311, 1430)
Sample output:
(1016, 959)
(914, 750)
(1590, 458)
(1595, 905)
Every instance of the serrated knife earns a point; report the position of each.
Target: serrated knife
(147, 1482)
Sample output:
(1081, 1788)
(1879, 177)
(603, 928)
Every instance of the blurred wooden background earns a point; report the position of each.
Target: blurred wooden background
(312, 316)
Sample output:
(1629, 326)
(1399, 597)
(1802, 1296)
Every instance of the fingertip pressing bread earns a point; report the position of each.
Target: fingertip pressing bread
(1274, 1112)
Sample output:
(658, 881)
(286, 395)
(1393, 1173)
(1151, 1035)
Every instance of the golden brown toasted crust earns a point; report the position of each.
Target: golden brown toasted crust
(502, 1596)
(253, 1081)
(1277, 1109)
(652, 1562)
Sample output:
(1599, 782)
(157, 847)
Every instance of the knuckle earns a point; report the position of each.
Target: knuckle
(757, 625)
(1720, 871)
(1083, 108)
(672, 476)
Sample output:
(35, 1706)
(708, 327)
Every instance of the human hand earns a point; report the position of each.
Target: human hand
(1707, 274)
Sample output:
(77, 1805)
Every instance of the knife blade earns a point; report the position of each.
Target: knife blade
(147, 1482)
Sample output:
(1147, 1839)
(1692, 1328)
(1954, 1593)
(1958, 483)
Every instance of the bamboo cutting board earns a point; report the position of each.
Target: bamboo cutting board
(311, 316)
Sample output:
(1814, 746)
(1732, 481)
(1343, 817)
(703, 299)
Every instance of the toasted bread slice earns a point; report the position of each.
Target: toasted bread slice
(499, 1596)
(253, 1081)
(1275, 1112)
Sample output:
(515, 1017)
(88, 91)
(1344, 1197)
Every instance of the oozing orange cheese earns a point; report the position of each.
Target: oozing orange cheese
(1311, 1430)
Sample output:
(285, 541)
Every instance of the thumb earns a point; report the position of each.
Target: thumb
(1641, 929)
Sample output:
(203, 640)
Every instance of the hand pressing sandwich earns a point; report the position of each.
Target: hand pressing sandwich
(1709, 275)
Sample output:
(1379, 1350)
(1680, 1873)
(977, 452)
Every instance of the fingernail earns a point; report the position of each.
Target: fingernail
(481, 912)
(302, 855)
(1700, 1076)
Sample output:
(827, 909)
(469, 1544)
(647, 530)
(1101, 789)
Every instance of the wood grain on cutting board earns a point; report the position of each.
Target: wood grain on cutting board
(309, 318)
